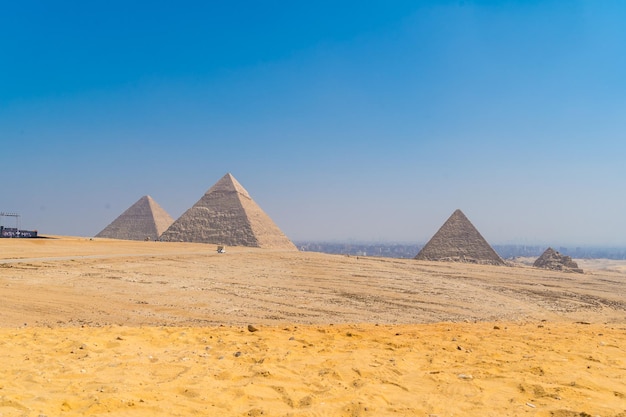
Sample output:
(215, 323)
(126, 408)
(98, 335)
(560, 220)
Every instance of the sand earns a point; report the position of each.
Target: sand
(96, 327)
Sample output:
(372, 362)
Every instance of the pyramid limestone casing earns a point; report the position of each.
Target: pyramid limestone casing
(143, 220)
(227, 215)
(459, 241)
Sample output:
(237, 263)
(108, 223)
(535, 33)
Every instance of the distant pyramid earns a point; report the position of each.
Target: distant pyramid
(227, 215)
(459, 241)
(552, 259)
(144, 220)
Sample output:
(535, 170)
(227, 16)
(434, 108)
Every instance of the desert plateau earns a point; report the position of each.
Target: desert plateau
(131, 328)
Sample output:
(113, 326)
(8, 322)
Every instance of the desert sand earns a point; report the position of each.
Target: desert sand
(97, 327)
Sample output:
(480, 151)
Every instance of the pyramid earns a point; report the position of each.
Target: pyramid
(551, 259)
(144, 220)
(227, 215)
(459, 241)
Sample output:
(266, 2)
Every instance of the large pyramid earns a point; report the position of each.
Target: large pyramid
(144, 220)
(459, 241)
(227, 215)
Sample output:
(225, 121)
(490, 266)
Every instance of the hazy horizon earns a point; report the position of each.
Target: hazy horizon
(344, 121)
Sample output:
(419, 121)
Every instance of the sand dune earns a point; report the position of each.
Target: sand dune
(95, 327)
(446, 369)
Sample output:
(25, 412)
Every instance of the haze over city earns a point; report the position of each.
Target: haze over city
(344, 121)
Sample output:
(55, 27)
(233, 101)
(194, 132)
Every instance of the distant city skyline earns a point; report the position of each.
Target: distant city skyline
(344, 121)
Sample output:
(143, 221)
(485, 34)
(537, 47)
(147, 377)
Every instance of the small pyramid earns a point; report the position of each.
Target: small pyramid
(227, 215)
(459, 241)
(551, 259)
(144, 220)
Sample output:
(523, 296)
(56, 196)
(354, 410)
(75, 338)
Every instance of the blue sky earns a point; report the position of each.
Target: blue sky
(343, 120)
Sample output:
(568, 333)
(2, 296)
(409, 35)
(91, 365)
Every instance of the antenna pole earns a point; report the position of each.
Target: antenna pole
(17, 218)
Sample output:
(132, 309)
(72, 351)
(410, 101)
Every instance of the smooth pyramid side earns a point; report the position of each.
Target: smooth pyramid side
(144, 220)
(227, 215)
(459, 241)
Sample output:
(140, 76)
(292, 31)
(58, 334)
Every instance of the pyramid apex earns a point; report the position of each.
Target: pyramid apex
(228, 184)
(458, 213)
